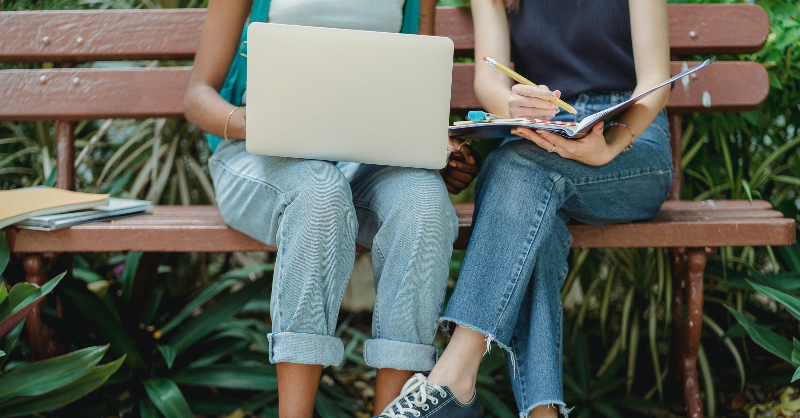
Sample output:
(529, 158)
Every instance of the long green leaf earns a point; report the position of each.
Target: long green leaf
(99, 314)
(762, 336)
(708, 381)
(128, 275)
(203, 296)
(229, 376)
(756, 180)
(626, 313)
(633, 351)
(491, 402)
(5, 254)
(62, 396)
(201, 325)
(167, 397)
(44, 376)
(607, 410)
(18, 303)
(731, 347)
(148, 410)
(8, 341)
(652, 330)
(790, 302)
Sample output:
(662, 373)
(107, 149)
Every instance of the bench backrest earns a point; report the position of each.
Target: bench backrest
(70, 94)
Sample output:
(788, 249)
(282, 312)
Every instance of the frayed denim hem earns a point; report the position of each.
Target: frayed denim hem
(562, 409)
(446, 324)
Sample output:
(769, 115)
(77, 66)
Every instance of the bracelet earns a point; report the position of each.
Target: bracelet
(225, 131)
(633, 136)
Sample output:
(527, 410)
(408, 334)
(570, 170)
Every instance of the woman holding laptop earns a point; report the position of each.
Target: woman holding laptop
(508, 292)
(315, 212)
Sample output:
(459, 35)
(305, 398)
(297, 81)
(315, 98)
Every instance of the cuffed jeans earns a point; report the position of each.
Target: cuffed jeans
(516, 262)
(314, 216)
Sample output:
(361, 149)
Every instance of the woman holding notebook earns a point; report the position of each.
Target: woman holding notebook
(315, 212)
(596, 52)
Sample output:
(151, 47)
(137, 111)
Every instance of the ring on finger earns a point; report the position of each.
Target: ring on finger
(552, 149)
(458, 149)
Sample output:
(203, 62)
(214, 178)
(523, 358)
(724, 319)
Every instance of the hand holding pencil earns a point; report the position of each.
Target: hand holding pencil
(522, 80)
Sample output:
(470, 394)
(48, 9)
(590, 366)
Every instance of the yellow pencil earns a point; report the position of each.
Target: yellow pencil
(513, 74)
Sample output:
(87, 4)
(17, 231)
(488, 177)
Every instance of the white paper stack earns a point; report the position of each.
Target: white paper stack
(117, 208)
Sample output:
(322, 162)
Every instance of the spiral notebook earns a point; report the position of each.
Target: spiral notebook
(500, 128)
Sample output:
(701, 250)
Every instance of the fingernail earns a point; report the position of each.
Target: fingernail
(452, 163)
(552, 95)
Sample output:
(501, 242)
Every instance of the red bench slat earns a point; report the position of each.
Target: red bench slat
(107, 35)
(85, 93)
(201, 228)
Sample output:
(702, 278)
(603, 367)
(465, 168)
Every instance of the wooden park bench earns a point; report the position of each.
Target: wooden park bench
(67, 95)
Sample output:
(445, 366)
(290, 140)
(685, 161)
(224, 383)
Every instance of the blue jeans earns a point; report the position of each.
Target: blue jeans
(314, 216)
(516, 262)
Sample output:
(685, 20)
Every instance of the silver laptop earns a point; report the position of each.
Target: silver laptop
(348, 95)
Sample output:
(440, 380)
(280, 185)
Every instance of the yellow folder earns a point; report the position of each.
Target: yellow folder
(20, 204)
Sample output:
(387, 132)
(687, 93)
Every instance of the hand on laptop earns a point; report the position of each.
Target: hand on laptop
(462, 168)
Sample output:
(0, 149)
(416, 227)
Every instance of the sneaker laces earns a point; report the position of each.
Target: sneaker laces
(413, 395)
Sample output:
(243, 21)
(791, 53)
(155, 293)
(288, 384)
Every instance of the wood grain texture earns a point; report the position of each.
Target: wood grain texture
(693, 28)
(107, 35)
(201, 228)
(100, 35)
(83, 93)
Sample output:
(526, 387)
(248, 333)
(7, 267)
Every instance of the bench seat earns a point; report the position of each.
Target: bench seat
(201, 228)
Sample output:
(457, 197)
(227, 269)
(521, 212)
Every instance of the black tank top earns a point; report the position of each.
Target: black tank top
(576, 46)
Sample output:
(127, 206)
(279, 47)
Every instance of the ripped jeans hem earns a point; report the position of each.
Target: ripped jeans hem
(561, 406)
(446, 324)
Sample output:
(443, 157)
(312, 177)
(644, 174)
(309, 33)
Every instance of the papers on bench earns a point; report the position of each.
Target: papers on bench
(115, 209)
(20, 204)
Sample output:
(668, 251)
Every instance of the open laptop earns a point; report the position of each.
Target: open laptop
(348, 95)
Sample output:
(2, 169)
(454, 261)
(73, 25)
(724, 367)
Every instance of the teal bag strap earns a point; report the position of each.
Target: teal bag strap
(236, 81)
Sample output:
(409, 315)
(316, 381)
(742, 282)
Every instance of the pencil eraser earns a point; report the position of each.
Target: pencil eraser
(484, 57)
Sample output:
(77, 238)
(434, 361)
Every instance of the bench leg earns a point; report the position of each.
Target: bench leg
(689, 265)
(694, 314)
(676, 343)
(35, 274)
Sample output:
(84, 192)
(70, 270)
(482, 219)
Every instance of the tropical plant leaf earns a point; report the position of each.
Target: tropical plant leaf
(44, 376)
(198, 300)
(8, 341)
(229, 376)
(731, 347)
(18, 303)
(128, 275)
(796, 375)
(762, 336)
(5, 254)
(62, 396)
(199, 326)
(148, 410)
(99, 314)
(168, 353)
(607, 410)
(490, 402)
(708, 382)
(790, 302)
(652, 331)
(167, 397)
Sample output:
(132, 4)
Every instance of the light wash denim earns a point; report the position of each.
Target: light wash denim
(510, 283)
(314, 216)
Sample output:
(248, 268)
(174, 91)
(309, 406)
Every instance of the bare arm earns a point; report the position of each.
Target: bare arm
(219, 44)
(427, 17)
(650, 35)
(491, 38)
